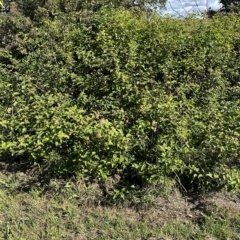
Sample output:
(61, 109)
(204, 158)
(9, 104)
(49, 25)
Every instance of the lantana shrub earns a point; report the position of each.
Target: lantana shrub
(116, 92)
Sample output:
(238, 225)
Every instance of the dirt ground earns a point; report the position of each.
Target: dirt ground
(185, 207)
(190, 209)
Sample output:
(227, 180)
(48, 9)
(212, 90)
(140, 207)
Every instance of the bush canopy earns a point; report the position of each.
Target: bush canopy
(96, 94)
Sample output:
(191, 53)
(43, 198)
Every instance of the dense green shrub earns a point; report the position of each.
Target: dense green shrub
(115, 92)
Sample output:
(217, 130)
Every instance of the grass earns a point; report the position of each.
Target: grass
(66, 210)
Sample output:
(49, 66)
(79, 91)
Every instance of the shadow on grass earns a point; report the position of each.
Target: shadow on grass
(29, 177)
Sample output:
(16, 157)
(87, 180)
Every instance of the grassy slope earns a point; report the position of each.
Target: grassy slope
(66, 210)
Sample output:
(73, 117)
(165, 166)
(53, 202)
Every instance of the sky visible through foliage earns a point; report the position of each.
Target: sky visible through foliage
(181, 7)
